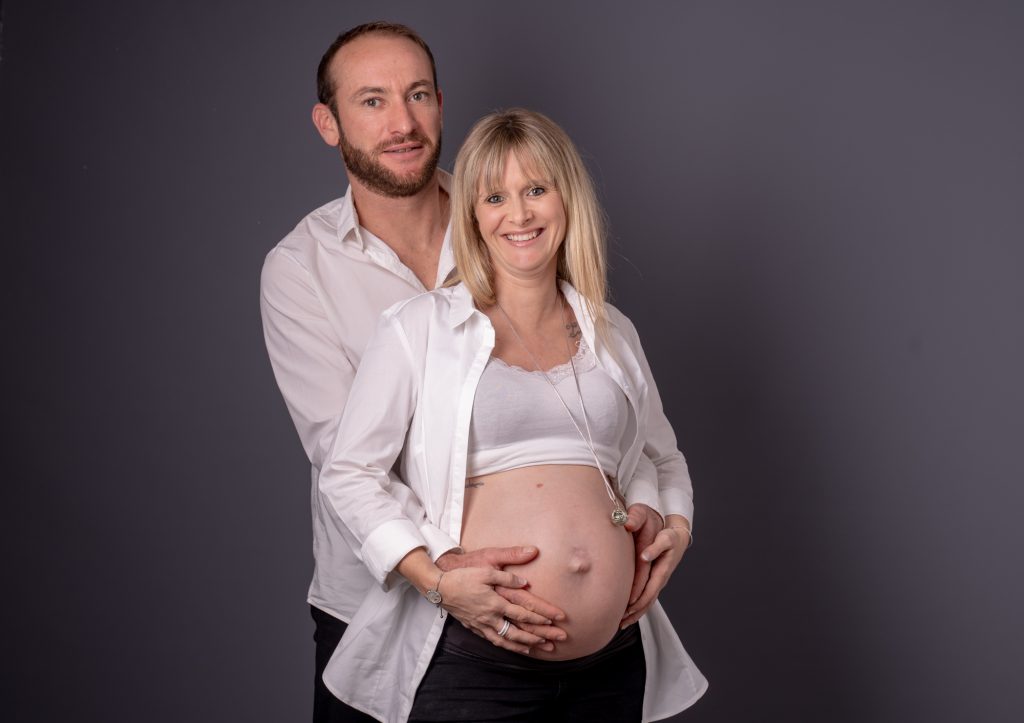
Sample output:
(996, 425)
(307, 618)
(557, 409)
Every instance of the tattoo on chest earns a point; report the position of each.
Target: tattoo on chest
(574, 330)
(474, 485)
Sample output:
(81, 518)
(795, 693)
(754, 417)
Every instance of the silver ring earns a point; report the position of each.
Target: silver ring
(504, 629)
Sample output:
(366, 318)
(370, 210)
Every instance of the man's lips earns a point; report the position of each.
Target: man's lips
(403, 148)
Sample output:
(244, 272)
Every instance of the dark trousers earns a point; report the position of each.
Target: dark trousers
(327, 708)
(471, 680)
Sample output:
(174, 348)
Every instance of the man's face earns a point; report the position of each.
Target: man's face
(388, 114)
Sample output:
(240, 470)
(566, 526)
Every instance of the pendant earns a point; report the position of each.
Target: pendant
(619, 517)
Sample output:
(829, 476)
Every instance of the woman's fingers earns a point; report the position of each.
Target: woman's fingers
(666, 551)
(508, 642)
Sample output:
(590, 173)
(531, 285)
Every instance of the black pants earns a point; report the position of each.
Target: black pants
(327, 708)
(471, 680)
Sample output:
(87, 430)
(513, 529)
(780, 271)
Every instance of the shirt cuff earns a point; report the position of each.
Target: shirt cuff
(385, 547)
(642, 492)
(677, 502)
(437, 541)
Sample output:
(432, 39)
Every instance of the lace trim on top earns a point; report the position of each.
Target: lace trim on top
(583, 359)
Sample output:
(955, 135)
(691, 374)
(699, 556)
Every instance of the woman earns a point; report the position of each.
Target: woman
(518, 405)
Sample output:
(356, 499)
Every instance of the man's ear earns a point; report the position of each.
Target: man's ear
(326, 124)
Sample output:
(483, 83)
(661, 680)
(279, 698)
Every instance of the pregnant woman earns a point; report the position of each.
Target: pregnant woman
(517, 405)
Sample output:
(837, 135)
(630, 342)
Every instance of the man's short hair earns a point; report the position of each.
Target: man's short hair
(325, 83)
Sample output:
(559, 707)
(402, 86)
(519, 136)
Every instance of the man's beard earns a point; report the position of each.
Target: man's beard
(365, 166)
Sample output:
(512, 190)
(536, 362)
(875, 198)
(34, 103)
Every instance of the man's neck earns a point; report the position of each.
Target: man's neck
(411, 225)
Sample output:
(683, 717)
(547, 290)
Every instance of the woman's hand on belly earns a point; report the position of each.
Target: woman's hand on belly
(585, 565)
(477, 597)
(469, 594)
(663, 555)
(496, 558)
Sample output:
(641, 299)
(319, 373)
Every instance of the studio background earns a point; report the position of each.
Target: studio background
(816, 211)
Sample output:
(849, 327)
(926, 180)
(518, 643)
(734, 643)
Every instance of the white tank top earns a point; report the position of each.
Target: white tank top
(519, 422)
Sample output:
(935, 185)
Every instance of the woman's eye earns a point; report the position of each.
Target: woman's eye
(494, 198)
(537, 191)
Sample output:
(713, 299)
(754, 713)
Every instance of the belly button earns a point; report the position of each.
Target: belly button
(579, 560)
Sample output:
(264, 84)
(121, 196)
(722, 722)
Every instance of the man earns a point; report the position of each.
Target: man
(324, 286)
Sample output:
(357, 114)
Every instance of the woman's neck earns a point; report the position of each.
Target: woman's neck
(528, 302)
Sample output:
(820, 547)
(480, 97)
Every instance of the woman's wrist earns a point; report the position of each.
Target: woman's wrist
(682, 527)
(420, 571)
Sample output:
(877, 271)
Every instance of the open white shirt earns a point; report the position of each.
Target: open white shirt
(322, 290)
(411, 402)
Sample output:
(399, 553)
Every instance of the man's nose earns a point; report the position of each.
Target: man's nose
(401, 120)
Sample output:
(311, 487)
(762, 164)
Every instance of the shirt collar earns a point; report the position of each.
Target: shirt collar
(348, 220)
(461, 307)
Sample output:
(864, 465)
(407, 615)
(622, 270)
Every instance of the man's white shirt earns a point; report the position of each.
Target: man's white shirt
(322, 290)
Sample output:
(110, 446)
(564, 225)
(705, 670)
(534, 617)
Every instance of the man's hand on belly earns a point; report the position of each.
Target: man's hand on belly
(497, 558)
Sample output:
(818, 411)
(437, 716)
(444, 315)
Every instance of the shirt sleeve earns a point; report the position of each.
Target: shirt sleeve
(675, 489)
(643, 488)
(314, 373)
(370, 436)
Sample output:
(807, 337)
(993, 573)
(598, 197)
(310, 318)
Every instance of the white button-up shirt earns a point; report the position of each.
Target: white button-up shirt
(411, 402)
(323, 289)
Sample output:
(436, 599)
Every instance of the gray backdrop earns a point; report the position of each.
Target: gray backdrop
(817, 214)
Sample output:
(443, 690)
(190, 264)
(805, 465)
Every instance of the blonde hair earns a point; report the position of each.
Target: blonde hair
(540, 145)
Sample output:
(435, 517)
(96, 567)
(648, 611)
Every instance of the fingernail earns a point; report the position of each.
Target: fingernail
(520, 581)
(529, 549)
(547, 622)
(645, 557)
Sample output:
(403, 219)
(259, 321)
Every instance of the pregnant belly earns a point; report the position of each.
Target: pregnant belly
(585, 565)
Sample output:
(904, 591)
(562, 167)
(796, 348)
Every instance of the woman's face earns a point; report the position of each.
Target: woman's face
(522, 222)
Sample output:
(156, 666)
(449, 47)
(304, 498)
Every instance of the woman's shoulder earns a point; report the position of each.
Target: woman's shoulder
(620, 323)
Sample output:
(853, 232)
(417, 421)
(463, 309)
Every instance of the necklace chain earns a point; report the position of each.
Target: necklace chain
(618, 514)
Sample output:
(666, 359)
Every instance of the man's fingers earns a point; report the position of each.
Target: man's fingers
(529, 601)
(501, 556)
(548, 632)
(494, 557)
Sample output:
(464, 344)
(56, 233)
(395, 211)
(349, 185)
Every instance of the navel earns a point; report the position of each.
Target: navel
(579, 560)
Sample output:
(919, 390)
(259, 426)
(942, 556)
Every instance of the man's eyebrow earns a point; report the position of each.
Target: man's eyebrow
(378, 90)
(369, 89)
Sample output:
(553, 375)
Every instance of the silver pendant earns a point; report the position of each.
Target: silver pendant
(619, 517)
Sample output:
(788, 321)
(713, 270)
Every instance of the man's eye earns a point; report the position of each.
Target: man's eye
(419, 95)
(371, 102)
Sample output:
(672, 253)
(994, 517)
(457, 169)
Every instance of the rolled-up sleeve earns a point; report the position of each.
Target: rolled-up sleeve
(355, 476)
(315, 376)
